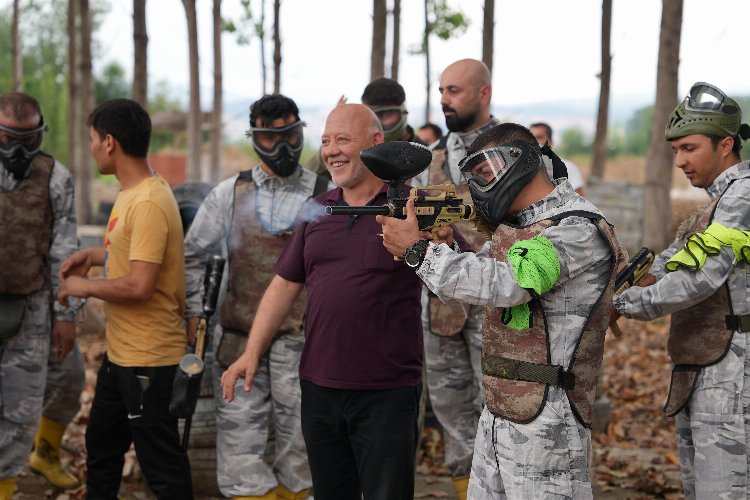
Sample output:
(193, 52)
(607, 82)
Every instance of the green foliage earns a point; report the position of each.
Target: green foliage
(111, 84)
(444, 22)
(638, 132)
(244, 28)
(573, 141)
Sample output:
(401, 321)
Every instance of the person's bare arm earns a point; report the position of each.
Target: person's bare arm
(274, 307)
(139, 284)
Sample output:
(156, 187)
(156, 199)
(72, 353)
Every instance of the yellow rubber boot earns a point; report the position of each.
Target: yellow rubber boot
(271, 495)
(461, 486)
(7, 487)
(284, 494)
(45, 459)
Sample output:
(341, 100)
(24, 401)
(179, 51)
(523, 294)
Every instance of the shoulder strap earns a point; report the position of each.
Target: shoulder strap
(321, 185)
(577, 213)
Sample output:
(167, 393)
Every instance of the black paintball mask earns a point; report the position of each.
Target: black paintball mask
(19, 146)
(497, 175)
(278, 147)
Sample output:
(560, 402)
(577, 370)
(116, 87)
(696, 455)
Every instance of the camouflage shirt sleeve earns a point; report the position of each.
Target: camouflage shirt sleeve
(681, 289)
(64, 234)
(207, 234)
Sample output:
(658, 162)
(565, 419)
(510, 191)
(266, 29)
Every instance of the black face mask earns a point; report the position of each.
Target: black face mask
(497, 175)
(21, 148)
(283, 157)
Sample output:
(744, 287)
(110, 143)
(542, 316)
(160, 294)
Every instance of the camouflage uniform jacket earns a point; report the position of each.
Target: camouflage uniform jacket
(277, 203)
(64, 241)
(585, 262)
(697, 298)
(678, 290)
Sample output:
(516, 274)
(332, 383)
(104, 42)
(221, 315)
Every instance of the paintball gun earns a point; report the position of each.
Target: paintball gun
(187, 380)
(631, 275)
(395, 162)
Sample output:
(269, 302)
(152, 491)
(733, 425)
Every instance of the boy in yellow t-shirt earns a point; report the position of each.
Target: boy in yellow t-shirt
(144, 294)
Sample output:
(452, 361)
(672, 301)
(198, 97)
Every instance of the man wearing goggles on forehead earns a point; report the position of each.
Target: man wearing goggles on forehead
(250, 216)
(545, 282)
(41, 368)
(702, 279)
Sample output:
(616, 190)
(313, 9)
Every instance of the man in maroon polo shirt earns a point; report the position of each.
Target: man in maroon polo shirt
(361, 365)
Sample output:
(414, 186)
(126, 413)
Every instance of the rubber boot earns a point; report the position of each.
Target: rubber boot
(45, 459)
(271, 495)
(461, 485)
(284, 494)
(7, 487)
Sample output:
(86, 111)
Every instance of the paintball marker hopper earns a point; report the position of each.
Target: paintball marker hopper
(396, 160)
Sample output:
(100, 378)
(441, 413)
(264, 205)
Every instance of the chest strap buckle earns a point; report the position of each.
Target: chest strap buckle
(514, 369)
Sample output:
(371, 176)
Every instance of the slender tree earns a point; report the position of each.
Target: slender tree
(73, 117)
(444, 23)
(15, 47)
(657, 214)
(260, 30)
(602, 116)
(86, 97)
(216, 118)
(140, 53)
(488, 33)
(194, 112)
(377, 58)
(396, 39)
(276, 47)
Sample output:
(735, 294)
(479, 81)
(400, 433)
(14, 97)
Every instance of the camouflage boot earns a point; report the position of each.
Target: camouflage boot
(45, 459)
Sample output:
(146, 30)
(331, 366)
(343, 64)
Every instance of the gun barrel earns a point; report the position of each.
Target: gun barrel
(373, 210)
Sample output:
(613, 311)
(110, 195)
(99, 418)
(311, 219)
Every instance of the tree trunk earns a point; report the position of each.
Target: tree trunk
(377, 61)
(657, 207)
(276, 47)
(600, 139)
(73, 121)
(216, 130)
(194, 112)
(396, 39)
(140, 53)
(15, 48)
(426, 46)
(488, 33)
(261, 32)
(83, 193)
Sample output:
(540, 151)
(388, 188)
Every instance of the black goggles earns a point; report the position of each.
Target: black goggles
(29, 138)
(486, 167)
(267, 138)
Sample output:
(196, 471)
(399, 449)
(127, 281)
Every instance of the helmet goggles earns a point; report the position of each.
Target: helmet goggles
(30, 139)
(487, 167)
(704, 97)
(270, 140)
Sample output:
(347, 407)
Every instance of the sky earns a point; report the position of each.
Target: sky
(545, 50)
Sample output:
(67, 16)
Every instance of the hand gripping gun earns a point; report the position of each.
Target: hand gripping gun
(631, 275)
(395, 162)
(187, 379)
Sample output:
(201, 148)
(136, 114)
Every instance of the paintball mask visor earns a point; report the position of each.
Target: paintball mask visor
(486, 167)
(704, 97)
(270, 140)
(393, 119)
(29, 139)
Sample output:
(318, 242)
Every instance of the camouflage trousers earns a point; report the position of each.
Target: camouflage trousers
(546, 458)
(454, 384)
(242, 426)
(65, 381)
(713, 430)
(23, 370)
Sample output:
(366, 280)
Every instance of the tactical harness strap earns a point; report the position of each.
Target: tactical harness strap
(740, 323)
(514, 369)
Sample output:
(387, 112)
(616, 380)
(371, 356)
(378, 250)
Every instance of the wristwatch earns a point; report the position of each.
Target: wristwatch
(414, 255)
